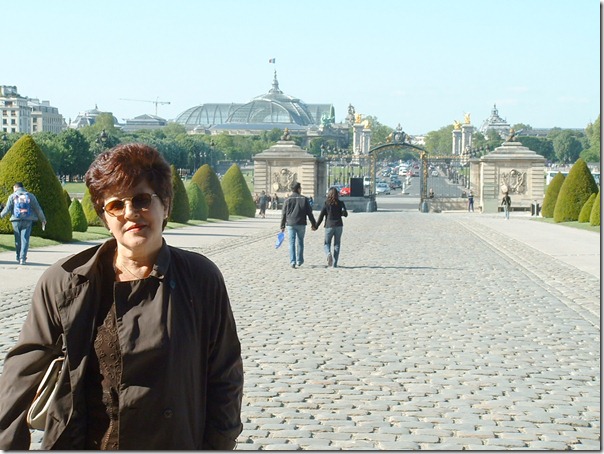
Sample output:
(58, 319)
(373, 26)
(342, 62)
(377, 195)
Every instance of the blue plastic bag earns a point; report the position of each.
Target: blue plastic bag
(280, 238)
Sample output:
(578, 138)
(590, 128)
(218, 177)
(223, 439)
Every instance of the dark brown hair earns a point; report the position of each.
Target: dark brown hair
(125, 166)
(332, 196)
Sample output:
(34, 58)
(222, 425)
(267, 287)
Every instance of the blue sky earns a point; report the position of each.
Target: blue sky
(422, 64)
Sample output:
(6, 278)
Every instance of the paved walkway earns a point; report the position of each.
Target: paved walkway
(438, 331)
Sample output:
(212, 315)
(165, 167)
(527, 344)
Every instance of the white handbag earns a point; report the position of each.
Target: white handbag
(36, 416)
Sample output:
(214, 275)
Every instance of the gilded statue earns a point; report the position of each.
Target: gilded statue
(286, 135)
(357, 118)
(467, 118)
(456, 125)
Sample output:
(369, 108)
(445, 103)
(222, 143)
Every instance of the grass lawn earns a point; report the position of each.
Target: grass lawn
(574, 224)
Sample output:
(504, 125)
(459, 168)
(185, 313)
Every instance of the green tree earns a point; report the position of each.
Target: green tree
(593, 153)
(74, 153)
(67, 197)
(539, 145)
(594, 218)
(25, 162)
(576, 189)
(78, 218)
(567, 147)
(209, 184)
(551, 195)
(440, 143)
(180, 204)
(198, 206)
(585, 213)
(237, 194)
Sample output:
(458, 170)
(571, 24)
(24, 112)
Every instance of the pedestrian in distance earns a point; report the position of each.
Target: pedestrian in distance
(507, 203)
(275, 201)
(152, 356)
(262, 202)
(333, 211)
(24, 210)
(471, 202)
(296, 209)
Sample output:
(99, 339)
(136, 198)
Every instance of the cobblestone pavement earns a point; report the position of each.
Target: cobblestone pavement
(435, 332)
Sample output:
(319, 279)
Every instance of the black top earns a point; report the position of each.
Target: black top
(333, 214)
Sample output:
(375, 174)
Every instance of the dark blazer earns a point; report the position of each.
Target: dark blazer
(182, 374)
(333, 214)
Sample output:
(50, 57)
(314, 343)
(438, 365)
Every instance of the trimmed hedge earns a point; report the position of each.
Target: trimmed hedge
(594, 218)
(209, 184)
(78, 218)
(586, 210)
(197, 203)
(89, 211)
(551, 195)
(25, 162)
(576, 189)
(237, 194)
(180, 203)
(67, 197)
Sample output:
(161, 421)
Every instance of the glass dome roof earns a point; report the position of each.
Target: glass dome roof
(271, 110)
(273, 107)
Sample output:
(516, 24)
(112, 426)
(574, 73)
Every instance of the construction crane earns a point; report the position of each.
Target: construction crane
(156, 102)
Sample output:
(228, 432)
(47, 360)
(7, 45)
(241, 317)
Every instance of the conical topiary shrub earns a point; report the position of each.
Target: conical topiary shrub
(209, 184)
(91, 217)
(586, 210)
(594, 218)
(551, 195)
(67, 197)
(26, 163)
(576, 189)
(198, 206)
(180, 203)
(78, 218)
(237, 194)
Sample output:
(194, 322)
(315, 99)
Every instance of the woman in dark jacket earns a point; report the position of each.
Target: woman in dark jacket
(332, 211)
(153, 361)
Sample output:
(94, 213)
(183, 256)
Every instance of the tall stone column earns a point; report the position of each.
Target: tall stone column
(456, 142)
(357, 138)
(366, 141)
(466, 137)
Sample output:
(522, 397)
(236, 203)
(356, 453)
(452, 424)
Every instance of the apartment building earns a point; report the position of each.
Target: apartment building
(27, 115)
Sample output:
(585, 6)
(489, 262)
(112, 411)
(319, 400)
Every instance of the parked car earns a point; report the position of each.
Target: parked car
(345, 191)
(382, 188)
(395, 183)
(435, 173)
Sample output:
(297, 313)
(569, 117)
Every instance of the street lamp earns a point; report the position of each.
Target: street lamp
(102, 139)
(212, 145)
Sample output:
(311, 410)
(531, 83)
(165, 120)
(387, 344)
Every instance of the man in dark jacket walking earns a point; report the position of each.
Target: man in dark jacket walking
(295, 211)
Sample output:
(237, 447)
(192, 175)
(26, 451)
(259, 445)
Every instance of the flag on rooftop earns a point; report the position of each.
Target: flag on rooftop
(271, 60)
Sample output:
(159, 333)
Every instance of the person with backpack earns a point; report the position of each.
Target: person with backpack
(24, 209)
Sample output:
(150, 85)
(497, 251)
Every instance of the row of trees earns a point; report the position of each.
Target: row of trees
(205, 196)
(573, 198)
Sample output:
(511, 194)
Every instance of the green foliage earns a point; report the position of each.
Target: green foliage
(180, 203)
(594, 218)
(440, 142)
(586, 210)
(78, 218)
(25, 162)
(551, 195)
(89, 211)
(593, 153)
(567, 146)
(198, 206)
(237, 194)
(539, 145)
(576, 189)
(209, 184)
(67, 197)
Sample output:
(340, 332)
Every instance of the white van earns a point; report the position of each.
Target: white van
(402, 170)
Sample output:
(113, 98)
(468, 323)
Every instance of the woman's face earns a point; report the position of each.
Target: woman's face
(137, 230)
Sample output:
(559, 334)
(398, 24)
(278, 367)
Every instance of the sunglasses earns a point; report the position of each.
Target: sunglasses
(140, 202)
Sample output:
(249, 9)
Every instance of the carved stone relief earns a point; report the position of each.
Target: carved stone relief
(283, 180)
(514, 181)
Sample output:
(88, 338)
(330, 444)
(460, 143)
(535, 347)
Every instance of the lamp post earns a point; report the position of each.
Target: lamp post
(101, 140)
(212, 145)
(4, 140)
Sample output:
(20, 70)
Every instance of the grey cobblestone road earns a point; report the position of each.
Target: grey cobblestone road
(436, 332)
